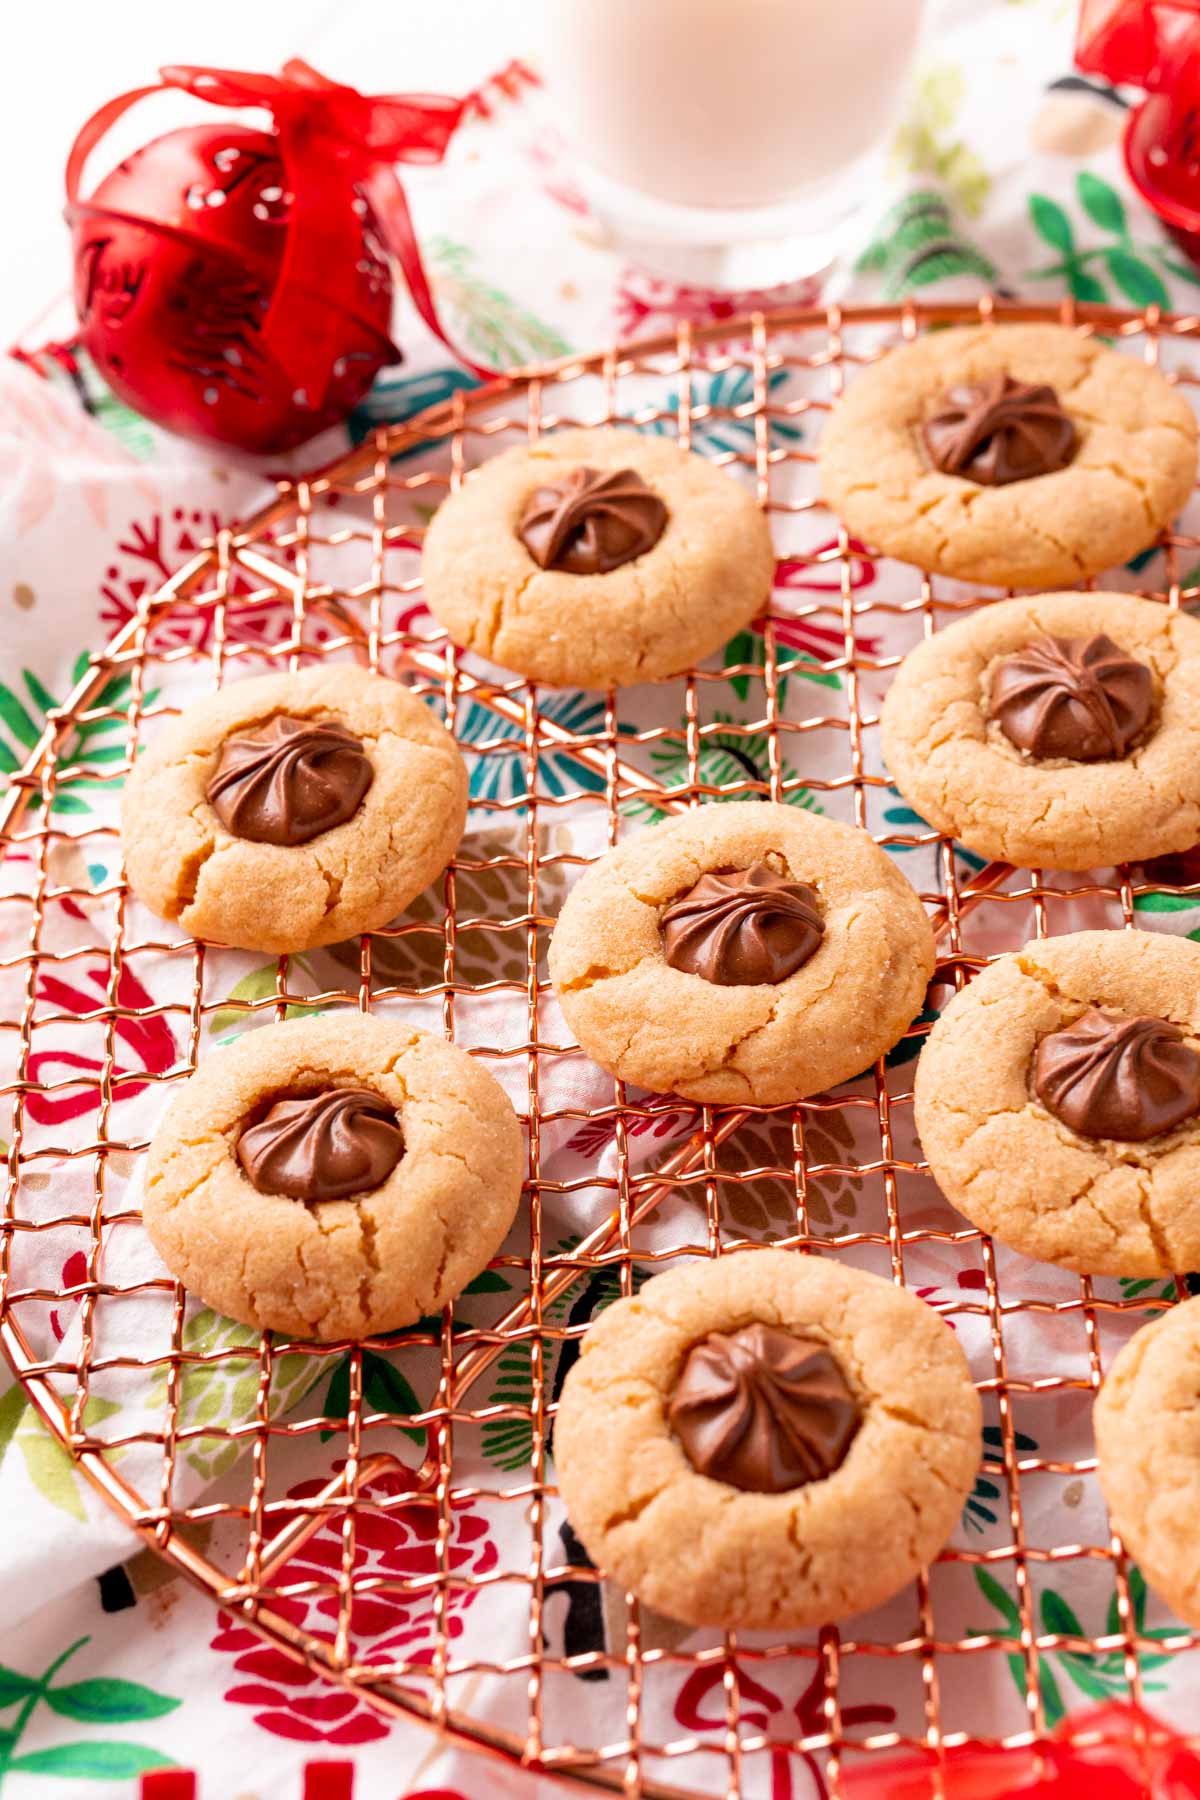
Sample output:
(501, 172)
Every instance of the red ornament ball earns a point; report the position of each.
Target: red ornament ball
(177, 258)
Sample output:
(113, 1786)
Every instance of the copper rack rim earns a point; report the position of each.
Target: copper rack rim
(236, 548)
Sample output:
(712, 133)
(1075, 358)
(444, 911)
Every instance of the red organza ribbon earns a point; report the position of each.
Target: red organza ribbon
(321, 126)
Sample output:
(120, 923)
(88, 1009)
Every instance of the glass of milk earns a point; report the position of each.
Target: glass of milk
(728, 141)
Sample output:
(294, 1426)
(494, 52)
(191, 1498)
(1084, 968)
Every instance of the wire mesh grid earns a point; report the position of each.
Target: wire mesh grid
(330, 569)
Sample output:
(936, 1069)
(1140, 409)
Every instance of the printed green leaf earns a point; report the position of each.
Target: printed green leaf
(14, 1685)
(1051, 222)
(1139, 283)
(1101, 203)
(101, 1761)
(1166, 903)
(41, 696)
(1052, 1700)
(488, 1281)
(1003, 1602)
(386, 1390)
(1059, 1617)
(258, 985)
(48, 1465)
(105, 1700)
(12, 1405)
(17, 719)
(1183, 271)
(1085, 287)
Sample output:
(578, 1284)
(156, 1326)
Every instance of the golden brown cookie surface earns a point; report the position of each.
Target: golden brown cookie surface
(792, 1029)
(193, 831)
(350, 1265)
(1133, 465)
(1010, 1158)
(682, 596)
(709, 1552)
(1147, 1420)
(954, 762)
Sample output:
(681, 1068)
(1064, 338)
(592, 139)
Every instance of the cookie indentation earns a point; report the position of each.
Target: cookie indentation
(1079, 698)
(1112, 1076)
(743, 927)
(763, 1410)
(1001, 430)
(592, 521)
(288, 781)
(314, 1147)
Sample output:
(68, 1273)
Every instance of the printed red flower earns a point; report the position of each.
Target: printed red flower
(143, 1042)
(150, 553)
(700, 1706)
(387, 1627)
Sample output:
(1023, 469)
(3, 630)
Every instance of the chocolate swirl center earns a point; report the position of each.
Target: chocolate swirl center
(322, 1146)
(1112, 1076)
(289, 780)
(1080, 698)
(592, 521)
(743, 927)
(1000, 430)
(763, 1410)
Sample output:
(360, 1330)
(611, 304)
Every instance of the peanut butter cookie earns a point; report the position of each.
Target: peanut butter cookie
(1147, 1419)
(766, 1440)
(1060, 731)
(1021, 455)
(597, 558)
(748, 952)
(1058, 1102)
(294, 810)
(334, 1177)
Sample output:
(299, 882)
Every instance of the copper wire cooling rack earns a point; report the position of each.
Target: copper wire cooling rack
(330, 569)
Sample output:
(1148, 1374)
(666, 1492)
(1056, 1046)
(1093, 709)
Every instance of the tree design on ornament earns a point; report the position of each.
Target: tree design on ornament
(291, 1700)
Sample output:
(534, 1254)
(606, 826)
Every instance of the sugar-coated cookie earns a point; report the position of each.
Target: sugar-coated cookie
(1058, 1101)
(1147, 1420)
(597, 558)
(1059, 731)
(333, 1177)
(766, 1440)
(748, 952)
(294, 810)
(1021, 455)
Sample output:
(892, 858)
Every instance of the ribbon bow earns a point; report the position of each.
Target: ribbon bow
(327, 134)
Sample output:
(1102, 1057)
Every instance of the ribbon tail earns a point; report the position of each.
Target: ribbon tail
(391, 209)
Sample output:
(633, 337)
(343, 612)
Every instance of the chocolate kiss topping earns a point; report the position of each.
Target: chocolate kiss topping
(999, 431)
(762, 1410)
(1081, 698)
(289, 780)
(322, 1146)
(743, 928)
(1112, 1076)
(592, 521)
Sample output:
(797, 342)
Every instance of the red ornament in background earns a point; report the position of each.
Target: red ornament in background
(1154, 45)
(234, 284)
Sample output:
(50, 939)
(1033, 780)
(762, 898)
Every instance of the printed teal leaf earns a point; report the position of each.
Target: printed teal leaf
(1139, 283)
(14, 1685)
(101, 1761)
(1051, 222)
(1101, 203)
(106, 1700)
